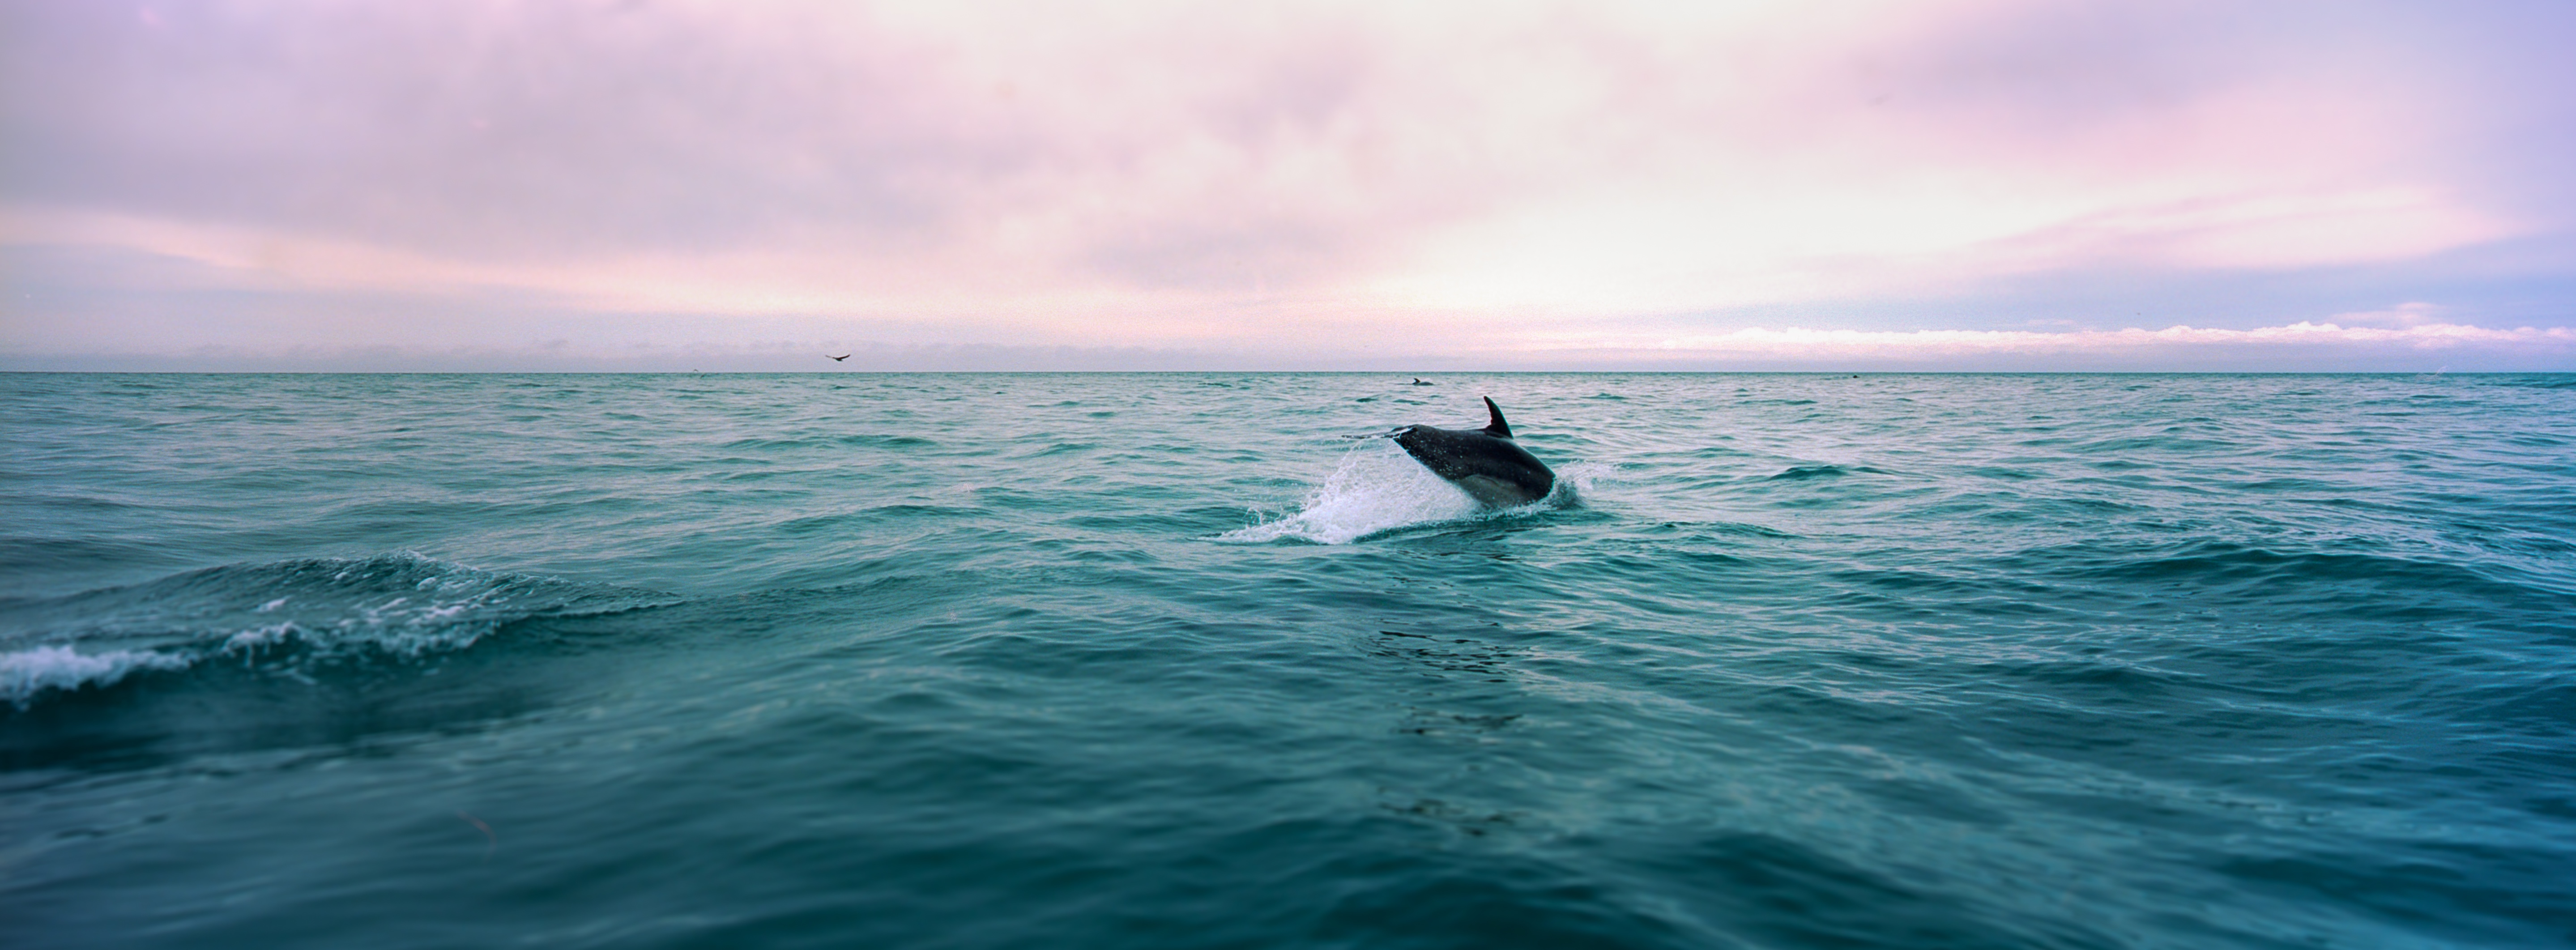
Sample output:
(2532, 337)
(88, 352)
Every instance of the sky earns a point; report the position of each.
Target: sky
(1493, 185)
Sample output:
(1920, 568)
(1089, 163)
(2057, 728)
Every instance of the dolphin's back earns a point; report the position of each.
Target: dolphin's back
(1495, 470)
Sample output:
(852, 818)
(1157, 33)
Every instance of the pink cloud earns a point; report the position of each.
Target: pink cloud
(1184, 174)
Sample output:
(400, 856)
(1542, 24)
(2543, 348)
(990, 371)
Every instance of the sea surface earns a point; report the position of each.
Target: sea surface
(1193, 660)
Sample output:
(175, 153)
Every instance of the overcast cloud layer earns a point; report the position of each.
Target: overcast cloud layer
(679, 185)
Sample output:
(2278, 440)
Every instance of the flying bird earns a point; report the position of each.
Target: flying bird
(841, 357)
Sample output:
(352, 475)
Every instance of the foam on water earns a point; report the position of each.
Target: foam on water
(24, 673)
(397, 604)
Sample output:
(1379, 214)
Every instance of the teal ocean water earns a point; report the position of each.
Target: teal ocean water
(1176, 660)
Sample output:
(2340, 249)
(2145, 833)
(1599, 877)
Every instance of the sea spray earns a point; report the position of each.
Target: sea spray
(1375, 488)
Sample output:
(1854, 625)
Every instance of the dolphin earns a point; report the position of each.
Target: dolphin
(1485, 462)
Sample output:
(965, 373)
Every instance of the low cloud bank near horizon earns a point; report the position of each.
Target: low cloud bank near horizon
(572, 184)
(2403, 340)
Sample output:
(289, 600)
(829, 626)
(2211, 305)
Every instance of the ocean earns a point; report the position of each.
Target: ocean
(1193, 660)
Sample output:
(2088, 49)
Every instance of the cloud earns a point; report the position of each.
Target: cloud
(167, 325)
(1180, 175)
(1934, 344)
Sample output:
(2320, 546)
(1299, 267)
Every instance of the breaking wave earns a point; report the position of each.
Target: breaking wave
(396, 604)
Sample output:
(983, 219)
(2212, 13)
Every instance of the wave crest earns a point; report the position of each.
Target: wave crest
(398, 604)
(24, 673)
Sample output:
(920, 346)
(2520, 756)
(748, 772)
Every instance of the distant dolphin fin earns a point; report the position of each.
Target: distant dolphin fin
(1497, 428)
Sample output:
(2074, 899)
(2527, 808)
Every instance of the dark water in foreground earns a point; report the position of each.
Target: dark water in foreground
(1167, 660)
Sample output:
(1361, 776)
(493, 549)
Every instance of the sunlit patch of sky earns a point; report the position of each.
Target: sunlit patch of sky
(654, 185)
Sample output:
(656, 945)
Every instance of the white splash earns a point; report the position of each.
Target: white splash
(1576, 480)
(1376, 488)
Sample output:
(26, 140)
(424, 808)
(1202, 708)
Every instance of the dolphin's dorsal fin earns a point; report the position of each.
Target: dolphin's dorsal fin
(1497, 428)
